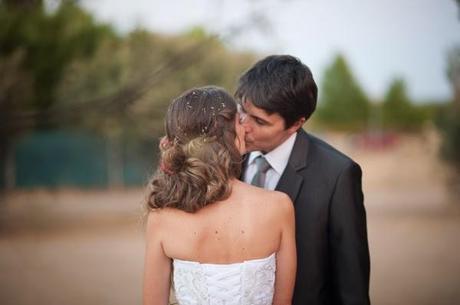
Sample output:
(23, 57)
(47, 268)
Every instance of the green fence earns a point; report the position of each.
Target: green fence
(60, 158)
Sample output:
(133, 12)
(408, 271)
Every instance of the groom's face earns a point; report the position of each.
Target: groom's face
(264, 131)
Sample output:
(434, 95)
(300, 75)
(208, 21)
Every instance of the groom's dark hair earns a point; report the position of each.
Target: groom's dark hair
(280, 84)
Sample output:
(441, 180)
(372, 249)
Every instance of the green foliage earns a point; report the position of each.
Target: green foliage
(155, 68)
(65, 69)
(197, 32)
(48, 42)
(61, 70)
(449, 123)
(398, 112)
(343, 104)
(453, 65)
(449, 120)
(16, 84)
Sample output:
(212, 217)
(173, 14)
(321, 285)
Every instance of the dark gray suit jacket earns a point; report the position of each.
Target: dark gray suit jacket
(332, 250)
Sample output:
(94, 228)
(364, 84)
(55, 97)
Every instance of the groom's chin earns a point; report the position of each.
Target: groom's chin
(250, 148)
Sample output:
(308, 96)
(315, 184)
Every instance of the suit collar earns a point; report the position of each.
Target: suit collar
(291, 181)
(299, 155)
(278, 158)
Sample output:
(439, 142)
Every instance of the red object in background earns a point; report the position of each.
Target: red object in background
(376, 140)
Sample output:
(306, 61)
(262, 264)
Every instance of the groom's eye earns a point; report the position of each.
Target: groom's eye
(260, 122)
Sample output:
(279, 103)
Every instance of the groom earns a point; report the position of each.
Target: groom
(277, 96)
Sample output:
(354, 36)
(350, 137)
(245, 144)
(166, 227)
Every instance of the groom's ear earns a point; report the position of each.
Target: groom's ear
(297, 125)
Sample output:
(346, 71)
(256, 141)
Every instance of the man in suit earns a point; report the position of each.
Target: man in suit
(276, 97)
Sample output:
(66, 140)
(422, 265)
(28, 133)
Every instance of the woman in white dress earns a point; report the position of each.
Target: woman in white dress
(215, 238)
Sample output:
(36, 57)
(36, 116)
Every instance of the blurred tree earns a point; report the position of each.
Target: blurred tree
(22, 4)
(134, 85)
(15, 91)
(35, 48)
(48, 42)
(71, 72)
(343, 104)
(129, 91)
(398, 112)
(453, 72)
(449, 120)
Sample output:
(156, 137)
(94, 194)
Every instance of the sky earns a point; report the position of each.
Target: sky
(381, 40)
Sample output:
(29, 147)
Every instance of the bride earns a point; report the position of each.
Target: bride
(215, 238)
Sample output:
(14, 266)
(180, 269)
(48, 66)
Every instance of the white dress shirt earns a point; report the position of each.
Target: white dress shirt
(277, 158)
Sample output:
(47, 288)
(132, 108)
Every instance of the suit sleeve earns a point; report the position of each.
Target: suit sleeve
(349, 250)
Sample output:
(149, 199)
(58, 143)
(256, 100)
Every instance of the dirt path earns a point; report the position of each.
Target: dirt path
(73, 247)
(103, 267)
(414, 261)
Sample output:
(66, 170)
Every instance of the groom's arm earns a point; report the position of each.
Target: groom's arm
(349, 251)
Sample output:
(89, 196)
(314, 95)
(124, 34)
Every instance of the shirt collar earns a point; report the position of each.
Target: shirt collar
(278, 157)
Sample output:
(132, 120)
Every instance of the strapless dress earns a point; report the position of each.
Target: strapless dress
(250, 282)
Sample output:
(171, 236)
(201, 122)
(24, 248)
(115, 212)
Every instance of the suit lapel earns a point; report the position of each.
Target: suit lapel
(290, 181)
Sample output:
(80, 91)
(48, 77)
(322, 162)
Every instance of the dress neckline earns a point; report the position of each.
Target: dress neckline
(255, 260)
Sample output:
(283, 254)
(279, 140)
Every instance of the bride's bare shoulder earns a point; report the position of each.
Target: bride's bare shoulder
(272, 199)
(158, 219)
(280, 202)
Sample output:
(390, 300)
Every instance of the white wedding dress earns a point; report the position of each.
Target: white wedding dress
(248, 283)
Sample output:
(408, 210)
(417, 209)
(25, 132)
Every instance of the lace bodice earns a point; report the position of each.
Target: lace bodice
(248, 283)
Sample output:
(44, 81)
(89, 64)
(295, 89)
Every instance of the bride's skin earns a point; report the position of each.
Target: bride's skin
(252, 223)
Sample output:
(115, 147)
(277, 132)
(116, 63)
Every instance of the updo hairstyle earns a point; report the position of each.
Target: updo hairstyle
(198, 153)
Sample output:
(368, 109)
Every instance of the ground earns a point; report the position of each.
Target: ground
(86, 247)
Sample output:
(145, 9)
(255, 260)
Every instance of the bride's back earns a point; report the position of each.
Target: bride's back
(245, 226)
(205, 228)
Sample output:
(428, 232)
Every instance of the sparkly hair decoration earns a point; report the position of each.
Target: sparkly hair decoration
(165, 169)
(164, 143)
(212, 111)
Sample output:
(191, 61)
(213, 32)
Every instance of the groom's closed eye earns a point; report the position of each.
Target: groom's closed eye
(244, 115)
(260, 121)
